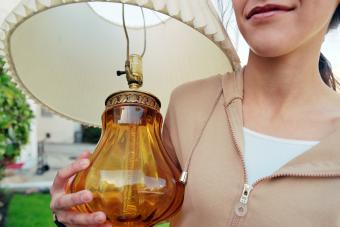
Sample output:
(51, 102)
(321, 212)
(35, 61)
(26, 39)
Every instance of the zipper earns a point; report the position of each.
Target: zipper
(240, 209)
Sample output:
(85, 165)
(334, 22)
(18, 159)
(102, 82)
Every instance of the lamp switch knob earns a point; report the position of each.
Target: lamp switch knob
(119, 73)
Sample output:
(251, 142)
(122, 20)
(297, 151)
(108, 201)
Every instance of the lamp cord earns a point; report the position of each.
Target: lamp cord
(127, 34)
(144, 27)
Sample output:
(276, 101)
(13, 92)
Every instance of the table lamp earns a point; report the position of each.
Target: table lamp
(69, 56)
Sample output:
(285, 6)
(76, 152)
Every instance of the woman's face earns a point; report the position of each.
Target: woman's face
(276, 32)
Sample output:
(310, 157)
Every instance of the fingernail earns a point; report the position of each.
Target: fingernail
(84, 163)
(99, 217)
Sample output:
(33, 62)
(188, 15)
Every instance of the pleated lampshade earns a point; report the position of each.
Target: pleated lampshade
(64, 53)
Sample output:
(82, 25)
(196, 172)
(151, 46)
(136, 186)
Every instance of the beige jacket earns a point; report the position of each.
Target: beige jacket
(303, 193)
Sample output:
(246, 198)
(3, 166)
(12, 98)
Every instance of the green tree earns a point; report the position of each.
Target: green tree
(15, 119)
(90, 134)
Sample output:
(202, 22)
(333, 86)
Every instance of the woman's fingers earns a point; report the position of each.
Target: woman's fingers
(74, 218)
(85, 154)
(62, 203)
(66, 201)
(64, 174)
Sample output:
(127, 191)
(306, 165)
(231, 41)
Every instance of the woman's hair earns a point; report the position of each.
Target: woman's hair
(325, 67)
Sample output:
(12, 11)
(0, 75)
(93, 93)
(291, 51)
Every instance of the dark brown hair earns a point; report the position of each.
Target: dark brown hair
(325, 67)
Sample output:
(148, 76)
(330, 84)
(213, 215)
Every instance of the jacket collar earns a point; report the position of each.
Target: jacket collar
(322, 160)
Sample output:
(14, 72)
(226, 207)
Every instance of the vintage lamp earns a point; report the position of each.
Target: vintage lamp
(63, 54)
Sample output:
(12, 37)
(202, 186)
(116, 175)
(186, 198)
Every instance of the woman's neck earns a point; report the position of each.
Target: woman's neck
(286, 81)
(285, 96)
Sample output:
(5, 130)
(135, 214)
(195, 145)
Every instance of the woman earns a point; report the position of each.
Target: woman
(266, 148)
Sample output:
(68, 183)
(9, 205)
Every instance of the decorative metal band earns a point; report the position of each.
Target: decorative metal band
(133, 97)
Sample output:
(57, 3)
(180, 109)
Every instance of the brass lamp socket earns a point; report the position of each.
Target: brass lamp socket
(134, 71)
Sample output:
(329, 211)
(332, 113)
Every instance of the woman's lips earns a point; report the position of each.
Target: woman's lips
(267, 10)
(267, 14)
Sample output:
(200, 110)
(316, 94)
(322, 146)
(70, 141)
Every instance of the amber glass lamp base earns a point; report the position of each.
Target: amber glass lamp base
(133, 178)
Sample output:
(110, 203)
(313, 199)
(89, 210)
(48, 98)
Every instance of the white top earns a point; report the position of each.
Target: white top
(265, 154)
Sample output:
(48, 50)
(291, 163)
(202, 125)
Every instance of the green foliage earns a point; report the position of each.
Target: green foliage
(90, 134)
(15, 118)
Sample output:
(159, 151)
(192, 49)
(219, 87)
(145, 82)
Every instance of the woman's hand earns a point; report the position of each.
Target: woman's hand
(61, 203)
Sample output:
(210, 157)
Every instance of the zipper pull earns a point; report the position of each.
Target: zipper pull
(245, 193)
(241, 207)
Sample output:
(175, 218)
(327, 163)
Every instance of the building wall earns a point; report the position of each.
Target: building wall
(60, 129)
(29, 153)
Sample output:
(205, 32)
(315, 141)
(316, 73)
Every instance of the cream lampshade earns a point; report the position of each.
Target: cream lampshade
(65, 53)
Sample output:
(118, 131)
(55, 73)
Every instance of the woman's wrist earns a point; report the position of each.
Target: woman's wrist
(59, 224)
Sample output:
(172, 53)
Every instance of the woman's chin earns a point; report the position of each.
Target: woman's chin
(276, 46)
(269, 51)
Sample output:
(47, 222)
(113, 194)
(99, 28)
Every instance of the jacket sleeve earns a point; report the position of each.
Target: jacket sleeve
(171, 142)
(169, 134)
(189, 107)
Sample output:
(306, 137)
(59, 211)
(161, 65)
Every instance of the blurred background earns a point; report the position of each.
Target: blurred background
(53, 142)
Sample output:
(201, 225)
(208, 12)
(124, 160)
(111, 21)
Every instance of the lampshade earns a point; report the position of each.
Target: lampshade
(64, 54)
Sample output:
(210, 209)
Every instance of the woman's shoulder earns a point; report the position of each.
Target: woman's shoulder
(198, 91)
